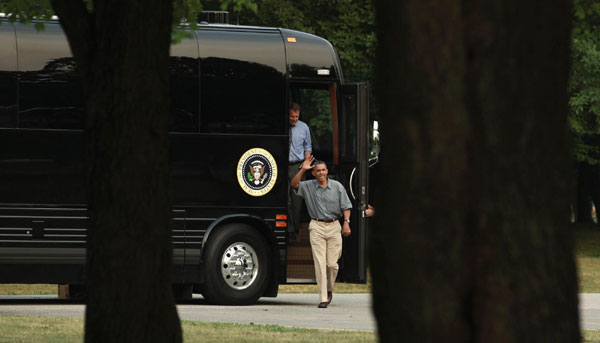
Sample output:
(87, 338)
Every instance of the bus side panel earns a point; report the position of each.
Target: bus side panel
(227, 101)
(206, 185)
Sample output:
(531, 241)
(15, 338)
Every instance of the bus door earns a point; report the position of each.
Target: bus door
(353, 126)
(317, 112)
(339, 134)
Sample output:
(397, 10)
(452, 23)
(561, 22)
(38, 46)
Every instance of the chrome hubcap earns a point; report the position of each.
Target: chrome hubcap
(239, 265)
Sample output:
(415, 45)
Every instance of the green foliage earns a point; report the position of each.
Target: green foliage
(584, 84)
(348, 24)
(586, 18)
(316, 110)
(26, 11)
(239, 5)
(184, 11)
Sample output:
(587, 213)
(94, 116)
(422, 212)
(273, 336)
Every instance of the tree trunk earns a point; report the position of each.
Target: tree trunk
(472, 241)
(122, 50)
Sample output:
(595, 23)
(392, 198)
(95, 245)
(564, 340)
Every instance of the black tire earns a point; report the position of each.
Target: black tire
(237, 266)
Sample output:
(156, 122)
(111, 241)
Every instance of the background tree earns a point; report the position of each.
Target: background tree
(584, 114)
(472, 242)
(122, 49)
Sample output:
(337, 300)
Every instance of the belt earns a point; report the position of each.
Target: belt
(324, 220)
(296, 162)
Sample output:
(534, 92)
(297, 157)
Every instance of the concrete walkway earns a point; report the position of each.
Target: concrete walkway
(347, 311)
(589, 311)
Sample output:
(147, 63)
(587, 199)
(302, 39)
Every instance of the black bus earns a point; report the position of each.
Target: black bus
(230, 89)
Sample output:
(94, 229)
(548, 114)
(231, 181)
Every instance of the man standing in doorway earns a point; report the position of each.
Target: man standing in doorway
(300, 150)
(326, 201)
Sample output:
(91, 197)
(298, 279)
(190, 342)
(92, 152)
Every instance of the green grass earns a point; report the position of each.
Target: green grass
(340, 287)
(587, 252)
(38, 329)
(591, 336)
(24, 329)
(65, 330)
(23, 289)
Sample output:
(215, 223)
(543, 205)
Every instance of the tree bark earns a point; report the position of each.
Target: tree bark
(122, 50)
(472, 242)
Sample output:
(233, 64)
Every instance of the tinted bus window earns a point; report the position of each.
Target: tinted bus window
(8, 76)
(185, 85)
(242, 82)
(49, 84)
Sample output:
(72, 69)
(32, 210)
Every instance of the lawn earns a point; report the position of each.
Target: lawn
(591, 336)
(587, 251)
(65, 330)
(39, 289)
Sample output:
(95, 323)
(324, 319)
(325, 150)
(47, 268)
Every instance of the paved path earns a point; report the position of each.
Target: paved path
(346, 312)
(589, 310)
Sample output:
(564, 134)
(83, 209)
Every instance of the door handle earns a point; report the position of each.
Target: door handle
(351, 188)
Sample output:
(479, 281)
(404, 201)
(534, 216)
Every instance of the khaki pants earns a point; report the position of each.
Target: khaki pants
(326, 244)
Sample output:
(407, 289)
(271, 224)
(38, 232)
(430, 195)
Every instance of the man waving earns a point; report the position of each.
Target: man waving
(326, 201)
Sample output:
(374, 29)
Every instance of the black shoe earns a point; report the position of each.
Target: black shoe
(329, 297)
(323, 305)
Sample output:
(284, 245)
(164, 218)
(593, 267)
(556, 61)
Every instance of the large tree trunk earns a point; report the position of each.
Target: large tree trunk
(472, 241)
(122, 50)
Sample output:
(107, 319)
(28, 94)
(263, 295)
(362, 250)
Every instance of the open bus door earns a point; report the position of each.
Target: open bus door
(340, 138)
(354, 167)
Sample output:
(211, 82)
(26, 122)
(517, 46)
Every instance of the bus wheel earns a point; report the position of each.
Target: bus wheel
(237, 266)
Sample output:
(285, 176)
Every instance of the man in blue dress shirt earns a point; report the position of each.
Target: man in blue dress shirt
(300, 150)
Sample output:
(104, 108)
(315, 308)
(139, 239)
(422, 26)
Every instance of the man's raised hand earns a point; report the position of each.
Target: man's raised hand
(306, 165)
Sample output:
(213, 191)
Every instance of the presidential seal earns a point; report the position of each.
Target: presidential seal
(257, 172)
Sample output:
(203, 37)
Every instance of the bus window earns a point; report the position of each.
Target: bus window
(8, 77)
(242, 81)
(50, 94)
(184, 76)
(241, 97)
